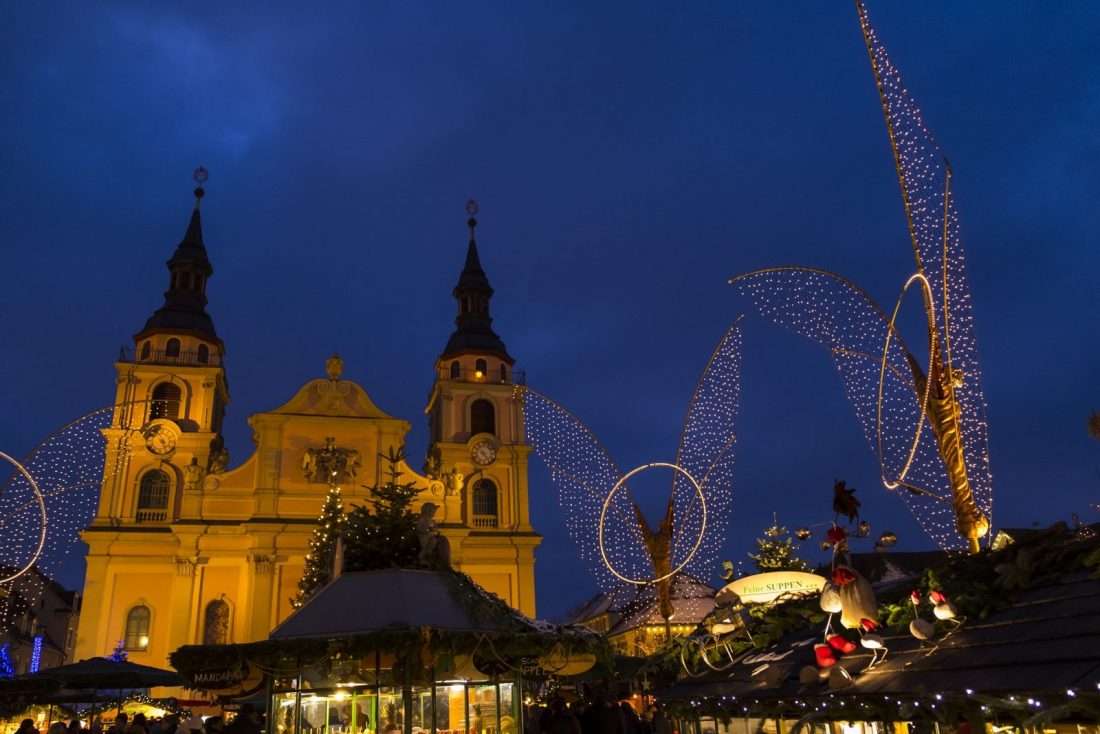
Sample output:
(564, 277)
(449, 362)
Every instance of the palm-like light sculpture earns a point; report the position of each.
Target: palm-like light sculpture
(928, 427)
(614, 538)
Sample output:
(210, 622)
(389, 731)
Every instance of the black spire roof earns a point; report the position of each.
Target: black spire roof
(474, 332)
(184, 308)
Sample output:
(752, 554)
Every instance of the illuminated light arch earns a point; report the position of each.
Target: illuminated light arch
(10, 515)
(944, 462)
(67, 469)
(694, 548)
(585, 475)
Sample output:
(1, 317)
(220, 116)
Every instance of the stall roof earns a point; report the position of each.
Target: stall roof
(390, 599)
(1047, 641)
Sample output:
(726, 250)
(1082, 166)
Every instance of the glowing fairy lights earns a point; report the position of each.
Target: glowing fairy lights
(926, 423)
(22, 523)
(68, 468)
(585, 475)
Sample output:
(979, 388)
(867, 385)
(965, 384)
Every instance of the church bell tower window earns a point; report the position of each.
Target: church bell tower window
(483, 417)
(203, 354)
(166, 401)
(485, 504)
(172, 348)
(153, 493)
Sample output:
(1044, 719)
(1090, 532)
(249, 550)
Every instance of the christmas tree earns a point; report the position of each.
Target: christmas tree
(119, 655)
(775, 551)
(319, 560)
(386, 536)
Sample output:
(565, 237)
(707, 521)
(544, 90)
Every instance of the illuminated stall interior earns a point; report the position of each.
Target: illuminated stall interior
(397, 650)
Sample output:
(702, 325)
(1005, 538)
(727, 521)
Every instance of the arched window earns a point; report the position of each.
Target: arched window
(137, 629)
(455, 370)
(166, 401)
(485, 504)
(503, 372)
(203, 354)
(483, 417)
(215, 628)
(481, 367)
(153, 496)
(172, 348)
(146, 348)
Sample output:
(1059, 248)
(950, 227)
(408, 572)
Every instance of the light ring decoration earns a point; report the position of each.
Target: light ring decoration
(923, 414)
(698, 540)
(42, 512)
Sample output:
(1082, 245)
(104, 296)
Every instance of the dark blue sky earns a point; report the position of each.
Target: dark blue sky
(628, 159)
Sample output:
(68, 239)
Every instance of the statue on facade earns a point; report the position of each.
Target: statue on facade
(453, 481)
(219, 456)
(435, 549)
(193, 474)
(331, 464)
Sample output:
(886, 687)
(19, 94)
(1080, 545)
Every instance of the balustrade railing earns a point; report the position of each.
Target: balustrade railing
(485, 521)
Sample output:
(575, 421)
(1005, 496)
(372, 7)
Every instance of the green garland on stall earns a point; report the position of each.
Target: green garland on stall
(977, 584)
(514, 636)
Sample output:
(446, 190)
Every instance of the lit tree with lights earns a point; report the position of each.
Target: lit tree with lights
(776, 551)
(321, 546)
(119, 654)
(386, 536)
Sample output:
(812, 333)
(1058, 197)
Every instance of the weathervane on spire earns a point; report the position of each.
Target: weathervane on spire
(471, 209)
(200, 175)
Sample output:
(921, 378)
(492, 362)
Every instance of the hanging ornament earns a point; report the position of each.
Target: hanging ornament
(830, 598)
(944, 609)
(887, 539)
(802, 533)
(857, 598)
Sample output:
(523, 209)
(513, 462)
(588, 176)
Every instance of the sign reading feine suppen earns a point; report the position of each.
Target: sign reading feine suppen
(765, 587)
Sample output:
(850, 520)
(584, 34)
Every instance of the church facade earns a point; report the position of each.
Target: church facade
(185, 550)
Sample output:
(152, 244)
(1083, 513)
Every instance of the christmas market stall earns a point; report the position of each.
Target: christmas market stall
(1002, 640)
(395, 650)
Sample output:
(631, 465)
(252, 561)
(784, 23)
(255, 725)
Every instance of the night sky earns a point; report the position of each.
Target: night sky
(628, 159)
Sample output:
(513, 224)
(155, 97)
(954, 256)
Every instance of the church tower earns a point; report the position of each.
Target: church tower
(170, 398)
(164, 438)
(475, 417)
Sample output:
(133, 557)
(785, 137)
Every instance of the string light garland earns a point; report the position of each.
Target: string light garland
(584, 472)
(929, 429)
(69, 469)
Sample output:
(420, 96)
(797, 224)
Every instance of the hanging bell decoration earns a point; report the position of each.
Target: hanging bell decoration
(802, 533)
(864, 527)
(887, 539)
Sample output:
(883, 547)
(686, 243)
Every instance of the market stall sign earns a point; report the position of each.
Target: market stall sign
(236, 680)
(762, 588)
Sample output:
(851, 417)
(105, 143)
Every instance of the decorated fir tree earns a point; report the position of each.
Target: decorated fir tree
(776, 551)
(119, 654)
(322, 545)
(383, 535)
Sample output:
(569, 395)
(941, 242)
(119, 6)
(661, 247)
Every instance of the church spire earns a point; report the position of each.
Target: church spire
(184, 309)
(474, 332)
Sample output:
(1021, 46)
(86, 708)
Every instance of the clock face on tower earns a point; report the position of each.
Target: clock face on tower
(483, 453)
(160, 439)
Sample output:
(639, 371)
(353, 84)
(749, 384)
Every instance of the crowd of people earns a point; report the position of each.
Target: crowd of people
(595, 715)
(247, 721)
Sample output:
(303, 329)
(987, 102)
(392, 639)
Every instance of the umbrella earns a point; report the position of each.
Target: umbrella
(100, 673)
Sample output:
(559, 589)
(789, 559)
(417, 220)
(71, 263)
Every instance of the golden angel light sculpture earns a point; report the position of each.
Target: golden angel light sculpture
(614, 537)
(927, 425)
